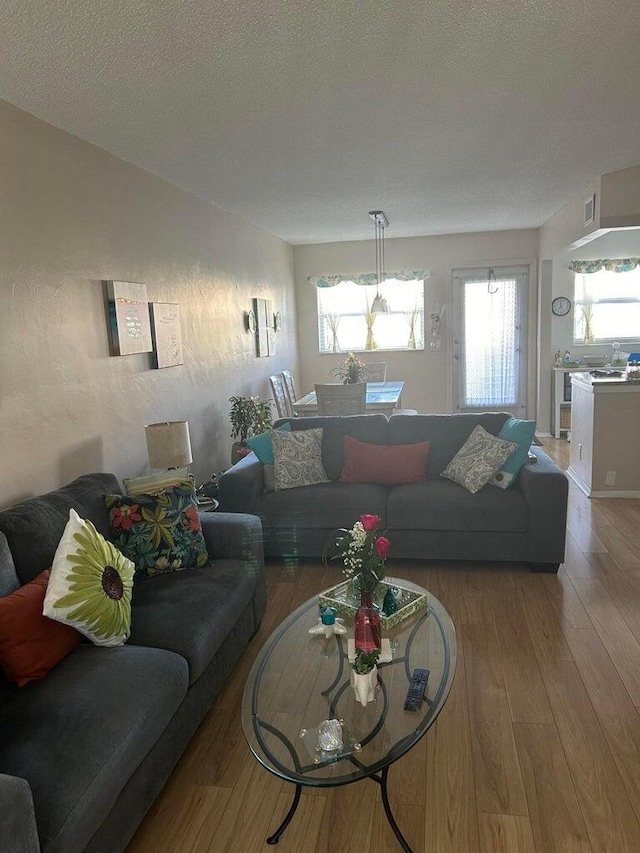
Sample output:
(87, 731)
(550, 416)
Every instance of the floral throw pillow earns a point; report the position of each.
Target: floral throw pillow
(479, 458)
(298, 458)
(158, 533)
(90, 585)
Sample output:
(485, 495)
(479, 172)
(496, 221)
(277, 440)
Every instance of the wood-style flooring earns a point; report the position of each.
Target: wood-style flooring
(537, 748)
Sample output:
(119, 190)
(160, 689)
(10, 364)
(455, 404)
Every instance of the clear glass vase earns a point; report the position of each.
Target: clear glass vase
(367, 634)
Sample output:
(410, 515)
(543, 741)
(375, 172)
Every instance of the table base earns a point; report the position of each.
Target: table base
(380, 779)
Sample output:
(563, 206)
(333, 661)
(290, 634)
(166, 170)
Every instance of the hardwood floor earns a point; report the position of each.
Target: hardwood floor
(537, 748)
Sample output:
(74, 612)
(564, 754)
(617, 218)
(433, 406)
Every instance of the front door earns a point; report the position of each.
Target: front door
(490, 339)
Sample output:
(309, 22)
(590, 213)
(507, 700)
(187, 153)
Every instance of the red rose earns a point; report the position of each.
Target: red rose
(382, 547)
(370, 522)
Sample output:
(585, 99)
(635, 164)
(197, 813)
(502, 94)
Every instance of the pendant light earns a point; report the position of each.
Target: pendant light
(380, 222)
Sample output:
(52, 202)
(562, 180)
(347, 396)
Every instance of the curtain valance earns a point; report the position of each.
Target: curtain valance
(609, 264)
(366, 278)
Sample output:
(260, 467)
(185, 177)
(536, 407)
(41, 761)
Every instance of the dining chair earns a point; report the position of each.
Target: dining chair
(289, 388)
(336, 399)
(280, 396)
(376, 371)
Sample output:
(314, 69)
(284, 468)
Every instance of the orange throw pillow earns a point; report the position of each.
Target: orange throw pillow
(389, 464)
(30, 643)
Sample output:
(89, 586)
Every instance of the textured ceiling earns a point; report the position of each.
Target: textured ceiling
(302, 115)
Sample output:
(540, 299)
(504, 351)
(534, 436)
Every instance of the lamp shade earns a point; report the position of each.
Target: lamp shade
(168, 444)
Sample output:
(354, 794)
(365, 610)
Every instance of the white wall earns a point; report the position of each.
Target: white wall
(427, 374)
(72, 216)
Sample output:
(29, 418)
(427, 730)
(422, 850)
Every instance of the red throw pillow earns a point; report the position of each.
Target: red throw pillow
(30, 643)
(389, 464)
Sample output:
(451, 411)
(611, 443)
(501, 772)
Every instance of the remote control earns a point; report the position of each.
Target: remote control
(417, 686)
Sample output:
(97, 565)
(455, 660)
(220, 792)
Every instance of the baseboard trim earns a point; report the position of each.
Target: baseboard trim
(593, 494)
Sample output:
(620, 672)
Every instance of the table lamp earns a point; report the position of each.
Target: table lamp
(168, 444)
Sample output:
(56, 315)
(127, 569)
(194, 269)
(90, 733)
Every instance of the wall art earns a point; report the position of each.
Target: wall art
(265, 340)
(129, 324)
(167, 335)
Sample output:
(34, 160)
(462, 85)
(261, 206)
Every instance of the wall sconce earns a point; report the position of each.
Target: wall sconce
(250, 322)
(277, 321)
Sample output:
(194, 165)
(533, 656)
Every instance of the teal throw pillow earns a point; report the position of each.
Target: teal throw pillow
(522, 433)
(158, 533)
(262, 445)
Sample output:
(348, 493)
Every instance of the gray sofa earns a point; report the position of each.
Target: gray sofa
(85, 750)
(434, 519)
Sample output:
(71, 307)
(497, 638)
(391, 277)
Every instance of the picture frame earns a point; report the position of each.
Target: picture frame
(166, 334)
(128, 318)
(265, 340)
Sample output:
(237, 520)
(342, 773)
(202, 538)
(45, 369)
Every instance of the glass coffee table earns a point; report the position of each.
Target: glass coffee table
(300, 680)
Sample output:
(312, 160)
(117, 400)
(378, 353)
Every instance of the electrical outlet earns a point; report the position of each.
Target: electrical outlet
(610, 478)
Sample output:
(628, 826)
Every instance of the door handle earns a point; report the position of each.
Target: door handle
(457, 357)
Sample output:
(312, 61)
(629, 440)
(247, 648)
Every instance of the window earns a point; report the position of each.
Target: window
(607, 307)
(345, 323)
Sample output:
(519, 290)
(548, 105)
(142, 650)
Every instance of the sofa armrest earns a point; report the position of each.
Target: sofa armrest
(233, 536)
(545, 488)
(241, 485)
(18, 831)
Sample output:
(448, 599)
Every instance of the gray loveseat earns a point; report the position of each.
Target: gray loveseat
(85, 750)
(434, 519)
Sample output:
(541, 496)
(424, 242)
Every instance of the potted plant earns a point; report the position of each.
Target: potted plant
(364, 675)
(249, 416)
(351, 370)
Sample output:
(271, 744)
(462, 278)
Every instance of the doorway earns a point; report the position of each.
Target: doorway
(490, 339)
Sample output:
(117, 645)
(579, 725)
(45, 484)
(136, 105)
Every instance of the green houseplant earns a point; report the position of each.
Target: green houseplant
(351, 370)
(364, 675)
(249, 416)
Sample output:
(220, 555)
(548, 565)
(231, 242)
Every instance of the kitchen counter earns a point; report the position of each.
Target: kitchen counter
(605, 424)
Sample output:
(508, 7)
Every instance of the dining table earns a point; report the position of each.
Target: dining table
(381, 397)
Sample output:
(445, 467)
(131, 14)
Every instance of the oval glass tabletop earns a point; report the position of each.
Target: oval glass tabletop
(300, 680)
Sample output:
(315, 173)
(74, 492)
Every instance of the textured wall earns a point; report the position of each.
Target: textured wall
(70, 216)
(427, 374)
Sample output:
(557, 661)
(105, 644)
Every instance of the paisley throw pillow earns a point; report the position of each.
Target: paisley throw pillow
(479, 458)
(298, 458)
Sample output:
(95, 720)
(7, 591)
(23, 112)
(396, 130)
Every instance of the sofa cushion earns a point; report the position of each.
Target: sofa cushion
(444, 505)
(78, 734)
(30, 643)
(372, 428)
(479, 458)
(521, 432)
(192, 613)
(35, 526)
(331, 505)
(447, 433)
(388, 464)
(297, 459)
(158, 532)
(90, 585)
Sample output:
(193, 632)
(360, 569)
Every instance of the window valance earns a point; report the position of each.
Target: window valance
(608, 264)
(366, 278)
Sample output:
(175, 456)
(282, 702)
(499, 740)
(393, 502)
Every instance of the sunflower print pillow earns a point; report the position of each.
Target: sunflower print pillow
(90, 585)
(159, 533)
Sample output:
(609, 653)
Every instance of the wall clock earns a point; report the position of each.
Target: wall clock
(560, 306)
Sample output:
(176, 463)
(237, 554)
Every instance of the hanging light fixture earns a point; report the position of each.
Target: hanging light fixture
(380, 222)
